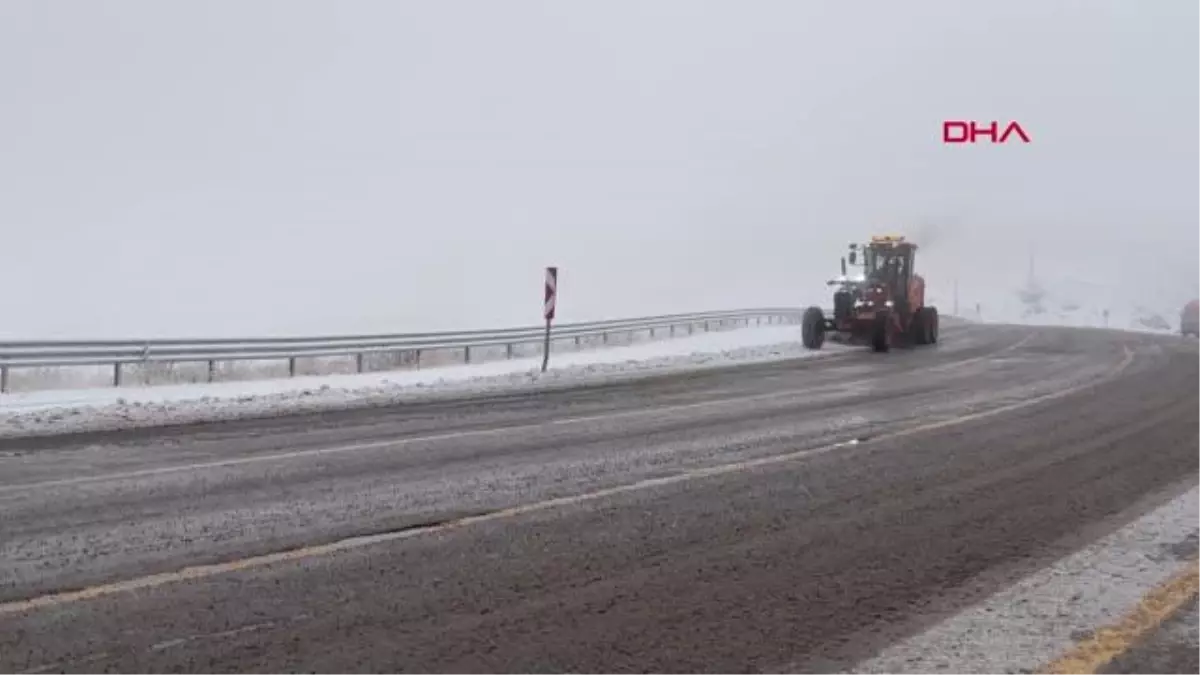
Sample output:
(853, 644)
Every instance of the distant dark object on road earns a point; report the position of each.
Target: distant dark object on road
(1189, 319)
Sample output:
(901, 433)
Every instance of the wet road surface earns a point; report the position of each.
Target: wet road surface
(793, 515)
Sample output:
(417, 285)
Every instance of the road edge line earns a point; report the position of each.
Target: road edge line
(1108, 642)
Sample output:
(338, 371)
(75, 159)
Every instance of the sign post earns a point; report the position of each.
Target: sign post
(548, 310)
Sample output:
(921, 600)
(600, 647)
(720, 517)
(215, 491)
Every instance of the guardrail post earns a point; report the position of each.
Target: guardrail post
(145, 365)
(604, 338)
(652, 332)
(3, 379)
(672, 331)
(577, 342)
(116, 374)
(467, 354)
(417, 359)
(291, 366)
(508, 351)
(358, 362)
(706, 325)
(212, 370)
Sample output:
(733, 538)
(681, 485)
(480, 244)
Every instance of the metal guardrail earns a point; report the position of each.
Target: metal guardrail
(59, 353)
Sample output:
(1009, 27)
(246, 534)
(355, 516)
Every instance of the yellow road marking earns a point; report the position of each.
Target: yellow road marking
(1111, 641)
(206, 571)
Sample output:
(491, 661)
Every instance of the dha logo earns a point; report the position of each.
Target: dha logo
(956, 131)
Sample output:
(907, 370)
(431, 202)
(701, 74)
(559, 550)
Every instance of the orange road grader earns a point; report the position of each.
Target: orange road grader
(883, 307)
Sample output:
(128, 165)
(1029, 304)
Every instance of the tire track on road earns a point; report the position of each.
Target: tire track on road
(206, 571)
(453, 435)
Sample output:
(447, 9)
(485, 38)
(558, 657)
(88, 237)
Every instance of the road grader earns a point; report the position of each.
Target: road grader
(883, 307)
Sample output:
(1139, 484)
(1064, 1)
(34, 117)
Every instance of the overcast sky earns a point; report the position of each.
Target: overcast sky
(238, 167)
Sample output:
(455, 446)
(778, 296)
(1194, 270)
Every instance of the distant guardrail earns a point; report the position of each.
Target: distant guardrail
(118, 353)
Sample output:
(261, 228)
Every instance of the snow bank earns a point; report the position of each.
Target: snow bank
(55, 412)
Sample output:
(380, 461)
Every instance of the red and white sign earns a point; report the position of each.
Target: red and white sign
(551, 292)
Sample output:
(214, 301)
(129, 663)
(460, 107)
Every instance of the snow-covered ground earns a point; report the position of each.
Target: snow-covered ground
(1038, 619)
(50, 412)
(1070, 301)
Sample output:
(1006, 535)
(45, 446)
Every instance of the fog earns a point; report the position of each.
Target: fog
(230, 168)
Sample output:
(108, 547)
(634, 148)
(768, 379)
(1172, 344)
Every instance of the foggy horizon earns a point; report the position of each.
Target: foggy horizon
(300, 167)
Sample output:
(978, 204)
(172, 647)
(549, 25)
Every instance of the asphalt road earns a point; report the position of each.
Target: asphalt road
(787, 516)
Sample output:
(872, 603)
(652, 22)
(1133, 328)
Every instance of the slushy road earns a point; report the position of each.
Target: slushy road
(791, 515)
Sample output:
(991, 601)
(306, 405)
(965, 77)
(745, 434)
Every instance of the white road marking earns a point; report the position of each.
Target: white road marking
(62, 665)
(977, 359)
(175, 642)
(178, 642)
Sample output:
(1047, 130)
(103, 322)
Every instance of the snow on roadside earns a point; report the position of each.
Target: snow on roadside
(1039, 618)
(57, 412)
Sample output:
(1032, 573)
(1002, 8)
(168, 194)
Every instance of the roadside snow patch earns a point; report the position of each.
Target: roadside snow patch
(60, 412)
